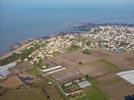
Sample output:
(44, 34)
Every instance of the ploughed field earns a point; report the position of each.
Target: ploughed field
(100, 66)
(26, 94)
(34, 93)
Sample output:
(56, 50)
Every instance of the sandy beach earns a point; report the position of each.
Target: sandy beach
(16, 50)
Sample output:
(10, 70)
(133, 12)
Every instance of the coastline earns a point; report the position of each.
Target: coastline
(80, 28)
(16, 50)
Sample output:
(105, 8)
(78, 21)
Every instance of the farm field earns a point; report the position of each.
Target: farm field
(33, 94)
(26, 94)
(99, 68)
(99, 65)
(115, 87)
(54, 93)
(93, 94)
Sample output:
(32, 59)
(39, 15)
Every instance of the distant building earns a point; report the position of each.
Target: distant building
(84, 84)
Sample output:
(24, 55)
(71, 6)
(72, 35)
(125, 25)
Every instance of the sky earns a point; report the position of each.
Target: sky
(72, 2)
(69, 1)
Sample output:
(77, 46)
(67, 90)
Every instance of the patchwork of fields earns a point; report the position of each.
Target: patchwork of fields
(99, 68)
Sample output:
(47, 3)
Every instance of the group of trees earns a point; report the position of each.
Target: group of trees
(39, 63)
(73, 47)
(87, 51)
(24, 54)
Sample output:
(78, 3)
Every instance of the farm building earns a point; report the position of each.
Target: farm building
(127, 75)
(84, 84)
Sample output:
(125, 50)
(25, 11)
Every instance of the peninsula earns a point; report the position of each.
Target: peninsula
(86, 62)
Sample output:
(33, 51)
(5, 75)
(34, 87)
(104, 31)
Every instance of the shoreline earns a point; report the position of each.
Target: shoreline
(81, 28)
(16, 50)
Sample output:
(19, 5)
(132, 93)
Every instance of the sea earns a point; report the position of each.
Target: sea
(20, 21)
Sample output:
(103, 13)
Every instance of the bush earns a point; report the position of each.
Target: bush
(87, 51)
(80, 63)
(73, 47)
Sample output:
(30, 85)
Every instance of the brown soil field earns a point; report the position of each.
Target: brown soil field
(91, 65)
(94, 69)
(130, 60)
(72, 59)
(74, 70)
(67, 75)
(99, 54)
(123, 64)
(101, 65)
(115, 87)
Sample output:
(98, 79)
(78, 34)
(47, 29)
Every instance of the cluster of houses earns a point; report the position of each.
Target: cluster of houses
(53, 45)
(114, 38)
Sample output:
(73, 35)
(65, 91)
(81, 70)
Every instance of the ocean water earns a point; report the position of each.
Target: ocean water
(25, 20)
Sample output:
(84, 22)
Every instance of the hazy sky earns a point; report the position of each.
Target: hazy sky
(69, 1)
(72, 2)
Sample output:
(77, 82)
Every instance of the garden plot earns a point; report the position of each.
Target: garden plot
(75, 88)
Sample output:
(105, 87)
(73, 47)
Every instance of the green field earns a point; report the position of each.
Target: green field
(35, 71)
(110, 65)
(102, 62)
(72, 48)
(33, 94)
(93, 94)
(26, 94)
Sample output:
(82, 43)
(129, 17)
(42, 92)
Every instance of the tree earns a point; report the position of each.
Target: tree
(80, 63)
(88, 43)
(87, 51)
(73, 46)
